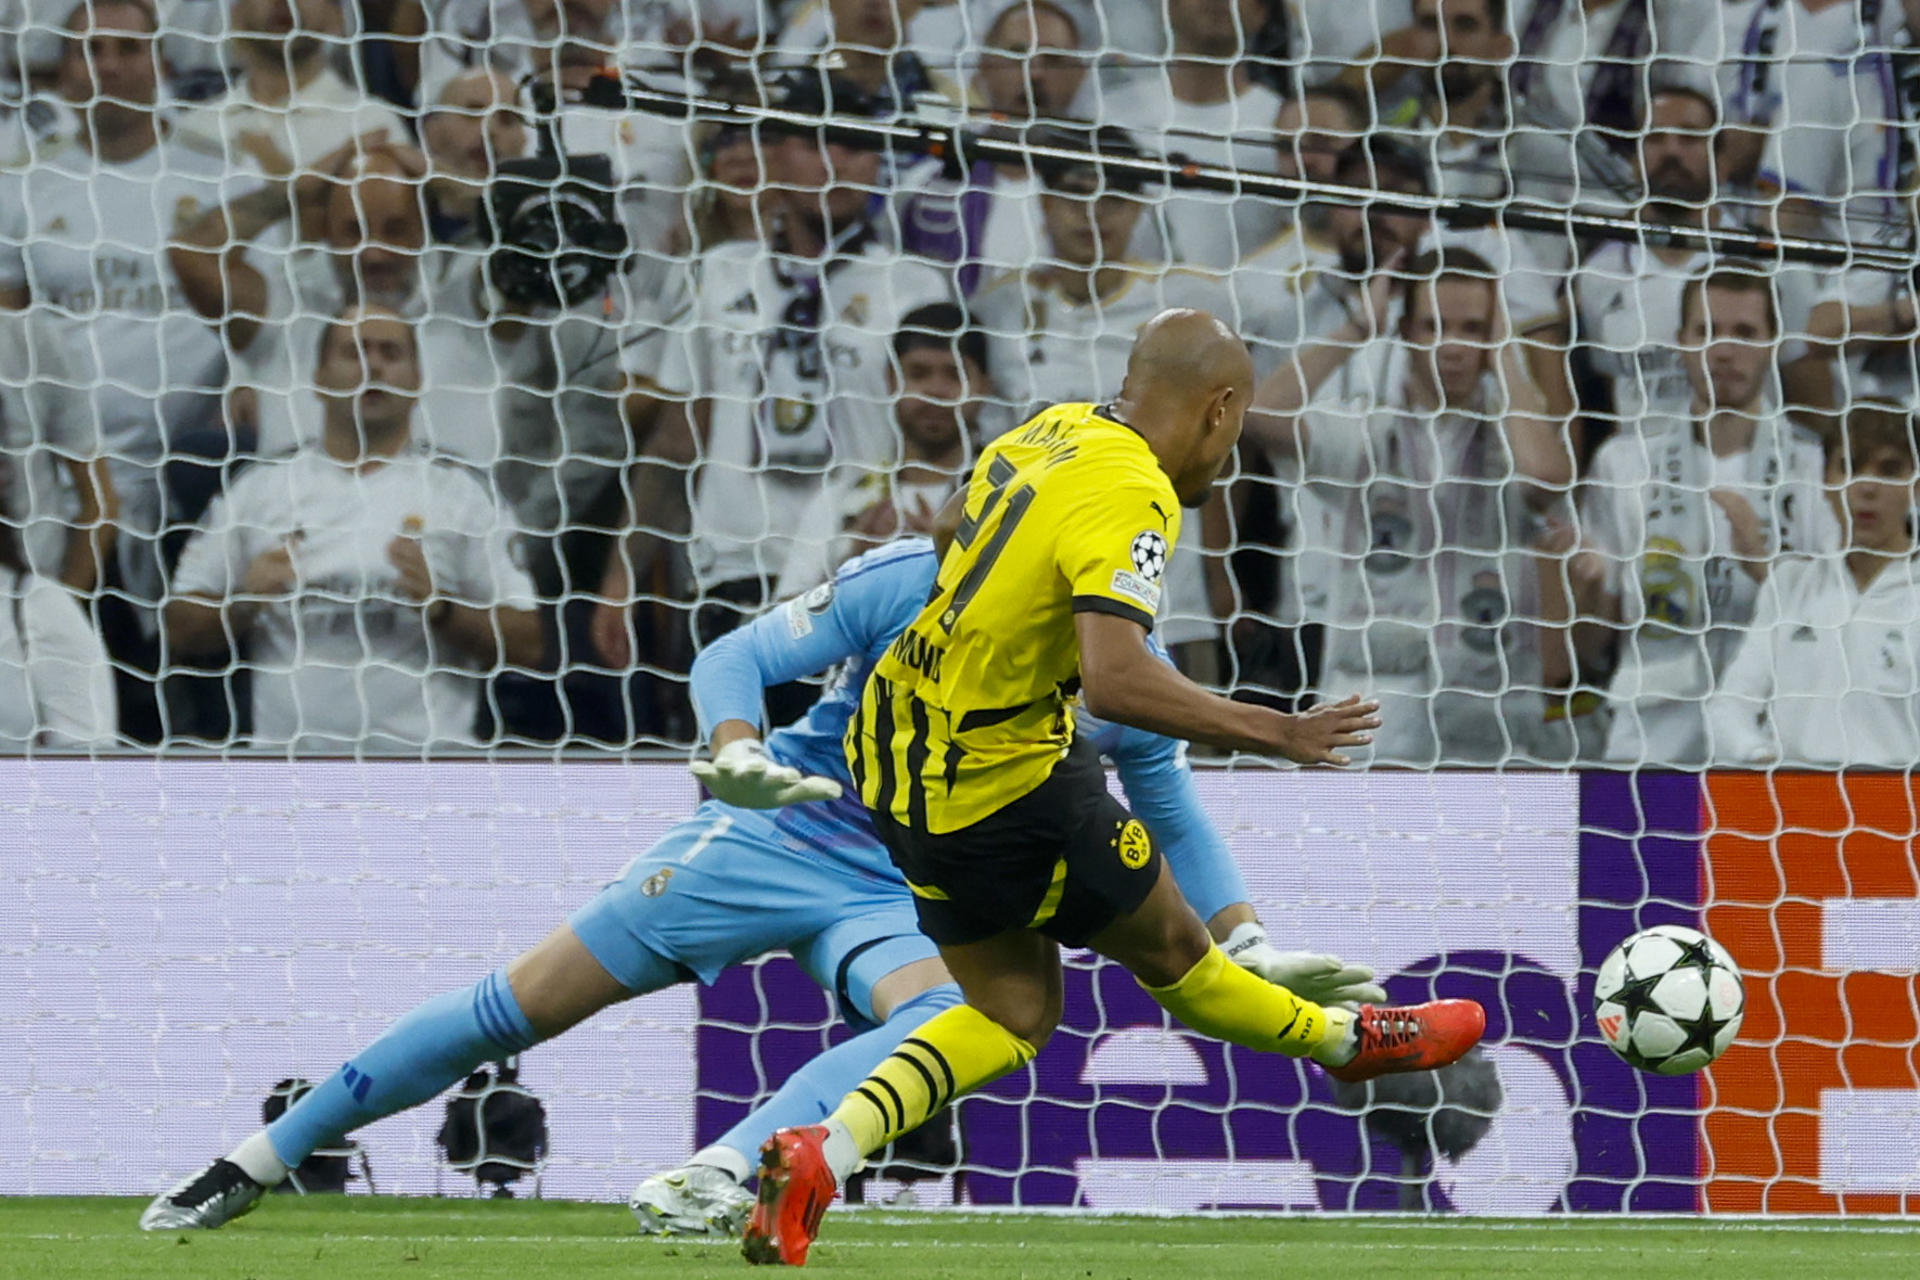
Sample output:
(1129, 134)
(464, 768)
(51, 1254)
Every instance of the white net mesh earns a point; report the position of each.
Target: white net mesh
(375, 383)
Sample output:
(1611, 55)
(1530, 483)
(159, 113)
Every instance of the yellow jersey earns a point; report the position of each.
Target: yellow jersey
(969, 709)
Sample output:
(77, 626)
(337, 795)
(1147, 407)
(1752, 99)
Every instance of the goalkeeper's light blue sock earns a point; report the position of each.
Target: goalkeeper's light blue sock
(435, 1046)
(817, 1088)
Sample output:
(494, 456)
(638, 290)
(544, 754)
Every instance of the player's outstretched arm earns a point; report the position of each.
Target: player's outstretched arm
(1124, 682)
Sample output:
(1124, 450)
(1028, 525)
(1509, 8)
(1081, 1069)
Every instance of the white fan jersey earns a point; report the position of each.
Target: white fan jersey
(45, 421)
(318, 119)
(1828, 674)
(88, 239)
(791, 400)
(1202, 228)
(1626, 305)
(346, 661)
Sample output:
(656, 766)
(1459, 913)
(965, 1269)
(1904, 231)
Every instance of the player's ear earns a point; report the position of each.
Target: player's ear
(1221, 408)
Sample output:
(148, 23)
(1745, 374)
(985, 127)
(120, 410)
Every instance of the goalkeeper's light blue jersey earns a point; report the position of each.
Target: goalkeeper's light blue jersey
(844, 626)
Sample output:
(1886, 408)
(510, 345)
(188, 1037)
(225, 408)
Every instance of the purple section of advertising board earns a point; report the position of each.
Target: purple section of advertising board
(1640, 859)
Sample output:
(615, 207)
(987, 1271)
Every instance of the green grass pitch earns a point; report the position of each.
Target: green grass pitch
(417, 1239)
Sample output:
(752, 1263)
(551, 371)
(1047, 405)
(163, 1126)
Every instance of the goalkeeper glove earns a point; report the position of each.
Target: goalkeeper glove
(1321, 979)
(743, 774)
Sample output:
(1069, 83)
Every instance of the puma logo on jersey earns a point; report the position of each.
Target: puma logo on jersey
(1166, 517)
(917, 653)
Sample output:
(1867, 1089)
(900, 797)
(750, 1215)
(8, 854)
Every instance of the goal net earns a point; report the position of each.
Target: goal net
(395, 398)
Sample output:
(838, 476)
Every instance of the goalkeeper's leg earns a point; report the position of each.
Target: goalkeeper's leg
(706, 1195)
(549, 989)
(1015, 978)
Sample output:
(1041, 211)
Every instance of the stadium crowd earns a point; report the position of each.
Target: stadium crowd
(308, 448)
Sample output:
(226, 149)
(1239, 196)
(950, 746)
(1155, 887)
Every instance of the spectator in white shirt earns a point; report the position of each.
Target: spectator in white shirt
(373, 588)
(727, 202)
(1829, 673)
(58, 492)
(863, 43)
(289, 106)
(82, 238)
(1436, 473)
(56, 689)
(781, 349)
(1329, 38)
(474, 125)
(191, 44)
(1060, 332)
(1579, 81)
(1627, 293)
(364, 202)
(941, 384)
(1685, 514)
(1831, 91)
(1444, 77)
(1032, 70)
(1205, 104)
(1868, 312)
(1314, 129)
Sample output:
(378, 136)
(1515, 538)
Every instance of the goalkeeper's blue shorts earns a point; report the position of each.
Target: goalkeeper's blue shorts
(725, 886)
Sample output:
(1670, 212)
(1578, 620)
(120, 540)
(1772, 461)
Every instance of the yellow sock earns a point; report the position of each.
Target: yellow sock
(1220, 999)
(952, 1053)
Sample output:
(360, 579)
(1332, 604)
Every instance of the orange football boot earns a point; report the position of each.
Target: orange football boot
(796, 1186)
(1412, 1037)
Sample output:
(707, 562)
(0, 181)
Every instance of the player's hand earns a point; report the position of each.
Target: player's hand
(1321, 979)
(743, 774)
(1317, 736)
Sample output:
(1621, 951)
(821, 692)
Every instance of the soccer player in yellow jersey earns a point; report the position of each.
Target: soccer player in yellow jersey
(964, 751)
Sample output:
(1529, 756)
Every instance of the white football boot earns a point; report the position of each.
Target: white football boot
(693, 1200)
(211, 1198)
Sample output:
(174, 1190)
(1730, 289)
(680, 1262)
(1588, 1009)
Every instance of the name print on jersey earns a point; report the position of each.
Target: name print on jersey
(911, 649)
(1053, 435)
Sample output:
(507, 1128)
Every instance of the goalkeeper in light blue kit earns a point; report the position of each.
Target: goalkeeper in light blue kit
(782, 858)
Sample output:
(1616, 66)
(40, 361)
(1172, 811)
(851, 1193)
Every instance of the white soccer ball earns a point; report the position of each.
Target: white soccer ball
(1669, 1000)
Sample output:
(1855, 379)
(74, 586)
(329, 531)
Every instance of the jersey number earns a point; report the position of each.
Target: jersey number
(1000, 474)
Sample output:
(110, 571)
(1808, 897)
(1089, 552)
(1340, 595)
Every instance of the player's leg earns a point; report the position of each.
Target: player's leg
(887, 1007)
(1014, 995)
(541, 994)
(886, 979)
(1162, 942)
(628, 940)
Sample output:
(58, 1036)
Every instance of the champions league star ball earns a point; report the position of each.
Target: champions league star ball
(1669, 1000)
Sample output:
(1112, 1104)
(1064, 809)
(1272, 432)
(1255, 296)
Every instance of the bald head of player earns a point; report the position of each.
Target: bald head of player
(1189, 380)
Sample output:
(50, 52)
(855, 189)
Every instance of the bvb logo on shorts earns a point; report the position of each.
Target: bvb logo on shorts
(1134, 845)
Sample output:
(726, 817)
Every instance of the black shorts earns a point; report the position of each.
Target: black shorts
(1066, 859)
